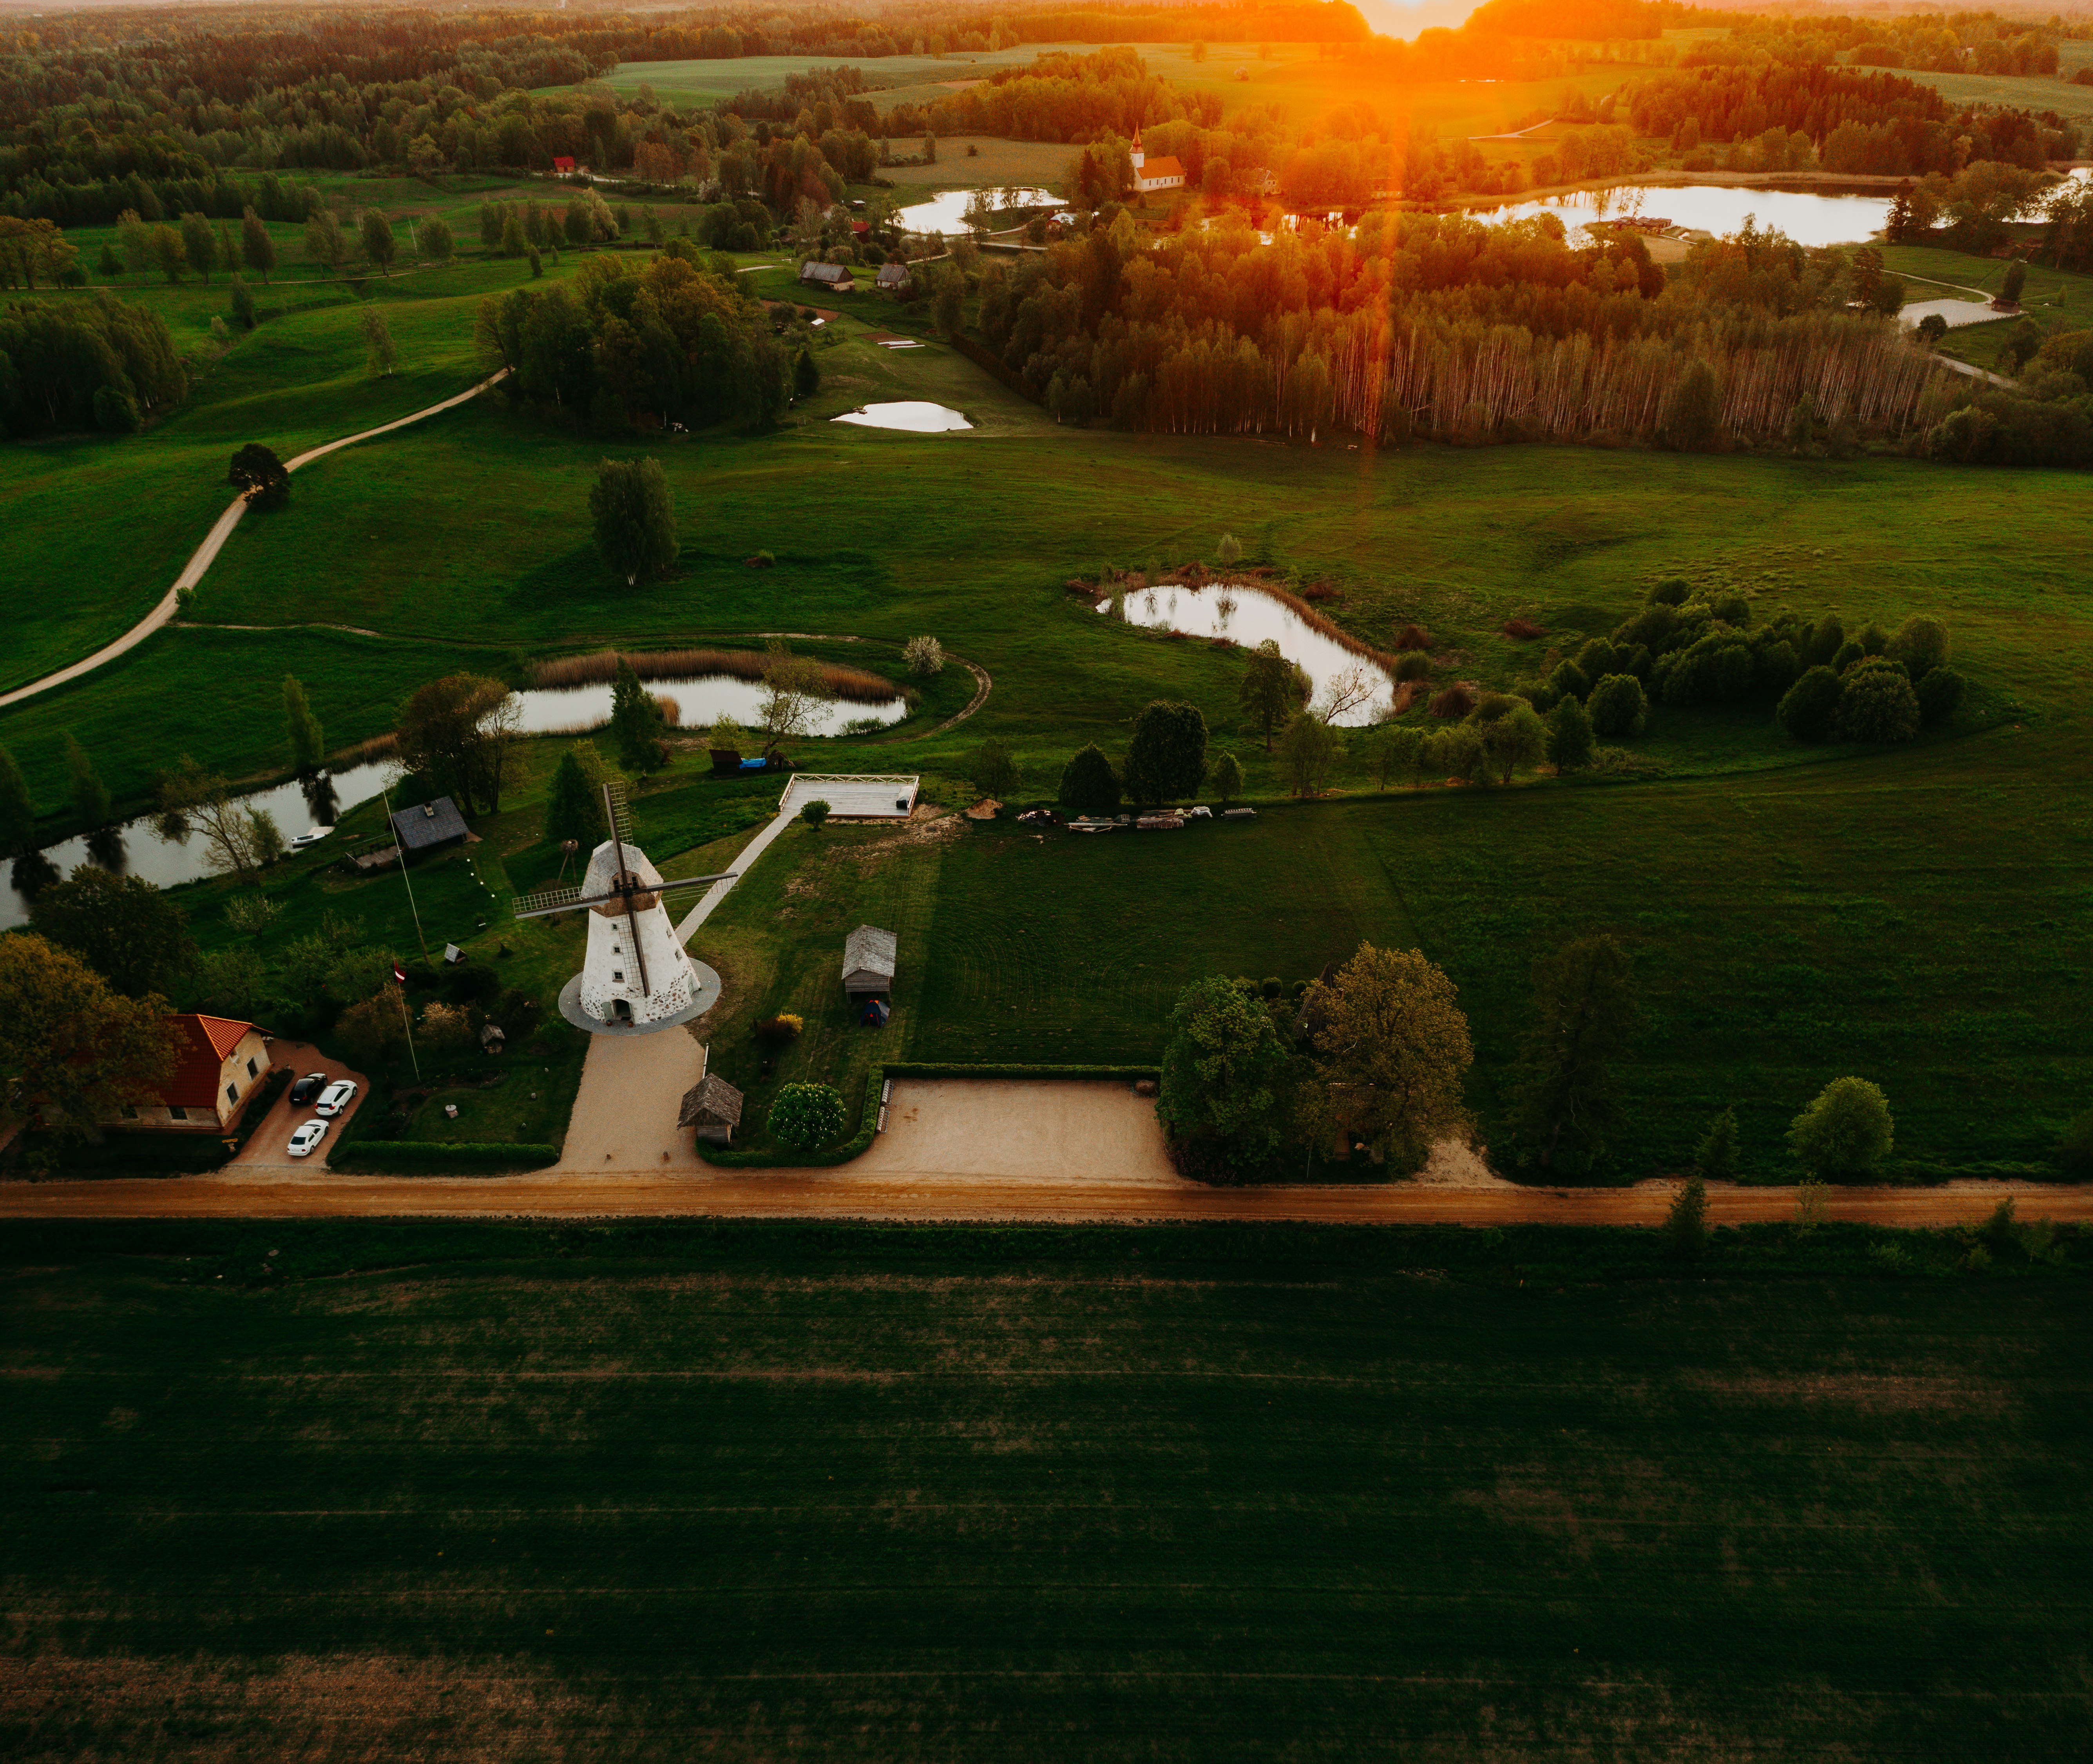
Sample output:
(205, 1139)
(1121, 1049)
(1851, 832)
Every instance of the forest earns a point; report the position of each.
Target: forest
(1437, 325)
(676, 341)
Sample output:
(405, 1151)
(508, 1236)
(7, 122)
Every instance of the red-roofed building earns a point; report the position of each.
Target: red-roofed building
(563, 163)
(219, 1063)
(1165, 174)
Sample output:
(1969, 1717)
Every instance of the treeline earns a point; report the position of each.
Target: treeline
(101, 363)
(2045, 420)
(679, 340)
(1439, 326)
(1071, 98)
(1859, 121)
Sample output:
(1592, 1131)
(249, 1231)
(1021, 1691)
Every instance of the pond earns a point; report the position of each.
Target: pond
(912, 414)
(946, 211)
(1249, 616)
(1809, 217)
(136, 848)
(573, 709)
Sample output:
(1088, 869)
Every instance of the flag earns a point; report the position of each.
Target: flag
(399, 974)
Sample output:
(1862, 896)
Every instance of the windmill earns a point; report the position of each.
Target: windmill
(635, 974)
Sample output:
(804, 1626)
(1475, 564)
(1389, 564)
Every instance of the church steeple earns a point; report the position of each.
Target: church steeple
(1138, 157)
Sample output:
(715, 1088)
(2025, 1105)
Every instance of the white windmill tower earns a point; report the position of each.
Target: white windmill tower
(636, 975)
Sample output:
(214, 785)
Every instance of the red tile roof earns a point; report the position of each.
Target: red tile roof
(562, 163)
(1163, 168)
(201, 1045)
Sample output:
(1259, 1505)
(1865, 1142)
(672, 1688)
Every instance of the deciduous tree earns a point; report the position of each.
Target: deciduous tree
(1717, 1155)
(1308, 751)
(458, 731)
(994, 771)
(71, 1046)
(635, 518)
(1167, 757)
(1584, 1014)
(1394, 1047)
(325, 242)
(302, 728)
(257, 250)
(18, 811)
(90, 795)
(257, 470)
(636, 722)
(199, 244)
(190, 797)
(794, 689)
(122, 927)
(574, 805)
(379, 246)
(1272, 686)
(1228, 778)
(1089, 784)
(1222, 1073)
(1845, 1132)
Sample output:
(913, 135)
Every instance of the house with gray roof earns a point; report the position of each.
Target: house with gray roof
(869, 957)
(428, 827)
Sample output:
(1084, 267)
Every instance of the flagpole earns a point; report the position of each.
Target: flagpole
(400, 846)
(406, 1022)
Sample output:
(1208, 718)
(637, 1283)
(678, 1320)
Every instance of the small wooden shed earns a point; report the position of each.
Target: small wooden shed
(714, 1108)
(868, 956)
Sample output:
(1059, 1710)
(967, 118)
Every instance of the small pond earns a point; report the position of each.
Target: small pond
(1249, 616)
(1809, 217)
(912, 414)
(946, 211)
(136, 848)
(572, 709)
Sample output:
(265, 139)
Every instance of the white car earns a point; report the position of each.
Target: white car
(336, 1098)
(308, 1136)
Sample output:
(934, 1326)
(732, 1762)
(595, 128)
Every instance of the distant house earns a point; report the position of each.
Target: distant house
(714, 1108)
(894, 279)
(434, 826)
(563, 163)
(835, 277)
(869, 956)
(1150, 174)
(219, 1063)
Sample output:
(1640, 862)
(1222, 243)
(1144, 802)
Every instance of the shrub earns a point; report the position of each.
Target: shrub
(925, 655)
(1089, 784)
(1569, 681)
(806, 1116)
(1716, 1156)
(1940, 692)
(1651, 628)
(1919, 646)
(1671, 591)
(1686, 1224)
(1716, 669)
(1570, 741)
(1732, 610)
(1597, 659)
(1849, 653)
(1273, 987)
(1845, 1132)
(115, 411)
(1412, 637)
(780, 1030)
(1413, 665)
(1618, 706)
(1778, 667)
(1877, 702)
(1811, 705)
(1229, 550)
(1523, 628)
(1454, 704)
(1826, 637)
(815, 812)
(994, 772)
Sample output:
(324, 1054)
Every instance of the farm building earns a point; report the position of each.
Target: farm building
(219, 1062)
(434, 826)
(714, 1108)
(895, 279)
(835, 277)
(1164, 173)
(869, 956)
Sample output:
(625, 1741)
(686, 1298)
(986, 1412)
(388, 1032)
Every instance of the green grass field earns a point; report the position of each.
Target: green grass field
(2028, 92)
(341, 1492)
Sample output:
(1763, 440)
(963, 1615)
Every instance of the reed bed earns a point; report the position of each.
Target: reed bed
(382, 747)
(856, 685)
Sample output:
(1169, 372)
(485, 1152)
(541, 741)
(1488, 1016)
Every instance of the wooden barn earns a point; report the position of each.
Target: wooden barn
(869, 957)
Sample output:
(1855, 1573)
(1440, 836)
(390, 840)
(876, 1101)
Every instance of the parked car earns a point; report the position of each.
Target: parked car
(336, 1098)
(308, 1136)
(307, 1088)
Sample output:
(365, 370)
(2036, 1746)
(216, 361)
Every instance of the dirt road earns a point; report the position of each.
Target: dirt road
(202, 557)
(838, 1195)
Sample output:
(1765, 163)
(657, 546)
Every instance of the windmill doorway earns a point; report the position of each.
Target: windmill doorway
(621, 1011)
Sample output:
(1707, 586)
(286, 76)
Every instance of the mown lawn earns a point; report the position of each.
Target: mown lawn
(340, 1492)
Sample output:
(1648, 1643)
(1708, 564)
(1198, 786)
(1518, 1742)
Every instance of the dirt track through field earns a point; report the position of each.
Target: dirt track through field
(838, 1194)
(202, 557)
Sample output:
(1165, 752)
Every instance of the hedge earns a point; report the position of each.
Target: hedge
(415, 1157)
(861, 1141)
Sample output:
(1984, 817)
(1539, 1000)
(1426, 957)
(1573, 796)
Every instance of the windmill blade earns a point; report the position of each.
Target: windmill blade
(546, 900)
(695, 882)
(621, 810)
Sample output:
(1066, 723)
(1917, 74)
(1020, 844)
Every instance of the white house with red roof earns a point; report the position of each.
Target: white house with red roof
(1163, 173)
(219, 1063)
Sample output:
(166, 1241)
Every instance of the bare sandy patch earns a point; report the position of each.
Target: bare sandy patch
(1020, 1129)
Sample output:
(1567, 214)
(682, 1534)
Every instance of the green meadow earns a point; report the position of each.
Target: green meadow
(402, 1489)
(1796, 912)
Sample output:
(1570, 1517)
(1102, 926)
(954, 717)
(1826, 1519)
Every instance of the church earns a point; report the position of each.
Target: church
(1164, 173)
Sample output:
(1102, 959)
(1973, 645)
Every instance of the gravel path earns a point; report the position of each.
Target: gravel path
(202, 557)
